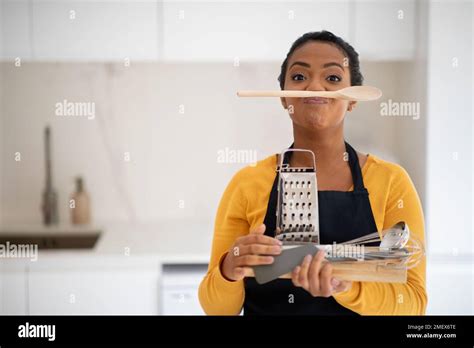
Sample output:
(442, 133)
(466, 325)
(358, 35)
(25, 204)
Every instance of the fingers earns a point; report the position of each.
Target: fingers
(258, 239)
(340, 285)
(314, 272)
(315, 276)
(251, 250)
(256, 236)
(325, 277)
(303, 273)
(253, 260)
(295, 276)
(259, 249)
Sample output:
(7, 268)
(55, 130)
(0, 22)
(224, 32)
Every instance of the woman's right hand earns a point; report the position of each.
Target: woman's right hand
(251, 250)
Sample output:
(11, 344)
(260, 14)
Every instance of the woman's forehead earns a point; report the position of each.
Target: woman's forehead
(318, 53)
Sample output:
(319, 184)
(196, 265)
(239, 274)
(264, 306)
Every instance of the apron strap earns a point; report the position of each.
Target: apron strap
(355, 168)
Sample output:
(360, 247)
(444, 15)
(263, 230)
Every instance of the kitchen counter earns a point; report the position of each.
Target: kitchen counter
(166, 242)
(133, 269)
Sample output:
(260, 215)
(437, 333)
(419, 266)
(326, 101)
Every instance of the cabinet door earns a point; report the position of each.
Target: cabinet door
(179, 289)
(95, 30)
(133, 291)
(440, 277)
(15, 29)
(247, 31)
(385, 29)
(181, 301)
(13, 288)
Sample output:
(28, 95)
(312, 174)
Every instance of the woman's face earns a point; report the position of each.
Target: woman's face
(317, 66)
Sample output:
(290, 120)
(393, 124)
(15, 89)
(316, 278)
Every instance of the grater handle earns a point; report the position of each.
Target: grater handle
(297, 150)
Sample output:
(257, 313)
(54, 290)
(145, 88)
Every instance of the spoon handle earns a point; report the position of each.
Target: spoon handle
(356, 93)
(290, 94)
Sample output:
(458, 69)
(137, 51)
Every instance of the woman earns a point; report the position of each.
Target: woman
(358, 194)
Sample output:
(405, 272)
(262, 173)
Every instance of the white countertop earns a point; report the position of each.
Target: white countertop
(166, 242)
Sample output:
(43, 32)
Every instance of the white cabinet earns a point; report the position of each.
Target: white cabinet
(91, 30)
(385, 29)
(94, 290)
(80, 30)
(15, 30)
(450, 286)
(224, 31)
(69, 283)
(179, 289)
(13, 288)
(55, 30)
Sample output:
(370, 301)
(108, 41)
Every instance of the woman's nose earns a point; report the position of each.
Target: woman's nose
(315, 85)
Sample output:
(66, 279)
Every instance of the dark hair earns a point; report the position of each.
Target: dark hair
(326, 36)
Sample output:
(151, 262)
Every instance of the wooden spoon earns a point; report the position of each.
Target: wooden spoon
(355, 93)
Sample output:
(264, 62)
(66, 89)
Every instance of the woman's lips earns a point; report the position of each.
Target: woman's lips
(315, 100)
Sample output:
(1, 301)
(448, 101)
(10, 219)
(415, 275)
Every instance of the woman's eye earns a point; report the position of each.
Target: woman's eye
(333, 78)
(297, 77)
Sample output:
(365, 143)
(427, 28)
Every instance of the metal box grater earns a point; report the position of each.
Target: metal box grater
(297, 207)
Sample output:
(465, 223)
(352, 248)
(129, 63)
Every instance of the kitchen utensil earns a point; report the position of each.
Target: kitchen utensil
(354, 93)
(297, 206)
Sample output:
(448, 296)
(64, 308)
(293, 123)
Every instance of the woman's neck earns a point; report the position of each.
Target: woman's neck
(328, 146)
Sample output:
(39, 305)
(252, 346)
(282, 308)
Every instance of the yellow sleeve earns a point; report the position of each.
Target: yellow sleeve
(217, 295)
(370, 298)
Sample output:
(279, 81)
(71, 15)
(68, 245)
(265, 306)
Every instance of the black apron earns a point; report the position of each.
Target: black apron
(342, 216)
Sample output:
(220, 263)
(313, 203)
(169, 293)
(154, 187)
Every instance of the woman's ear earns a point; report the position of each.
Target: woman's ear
(283, 102)
(351, 105)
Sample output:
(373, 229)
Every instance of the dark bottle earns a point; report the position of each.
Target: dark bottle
(50, 197)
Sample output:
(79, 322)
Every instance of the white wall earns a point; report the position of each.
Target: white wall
(449, 158)
(1, 122)
(173, 155)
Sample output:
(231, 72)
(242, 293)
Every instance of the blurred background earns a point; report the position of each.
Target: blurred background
(140, 101)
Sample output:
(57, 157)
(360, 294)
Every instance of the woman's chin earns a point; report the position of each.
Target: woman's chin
(317, 121)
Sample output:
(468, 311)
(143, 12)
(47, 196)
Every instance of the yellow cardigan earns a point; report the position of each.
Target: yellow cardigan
(243, 205)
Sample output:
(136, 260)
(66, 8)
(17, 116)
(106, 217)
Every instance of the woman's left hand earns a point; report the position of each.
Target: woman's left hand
(315, 276)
